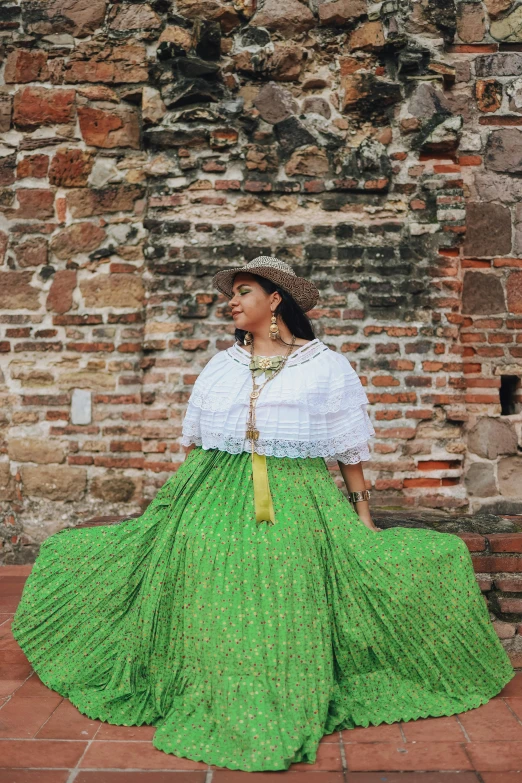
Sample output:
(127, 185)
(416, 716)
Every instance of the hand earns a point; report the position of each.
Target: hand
(367, 520)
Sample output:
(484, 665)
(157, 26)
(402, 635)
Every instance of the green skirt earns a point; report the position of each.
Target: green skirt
(245, 643)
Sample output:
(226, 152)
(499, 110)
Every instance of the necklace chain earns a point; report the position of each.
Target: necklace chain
(252, 433)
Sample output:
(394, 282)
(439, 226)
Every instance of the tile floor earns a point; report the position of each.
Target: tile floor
(44, 739)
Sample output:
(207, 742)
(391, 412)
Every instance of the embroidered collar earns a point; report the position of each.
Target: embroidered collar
(303, 353)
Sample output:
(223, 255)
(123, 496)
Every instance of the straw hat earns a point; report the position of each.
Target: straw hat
(303, 291)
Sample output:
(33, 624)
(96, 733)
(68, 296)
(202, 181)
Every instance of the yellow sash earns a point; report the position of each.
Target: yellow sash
(262, 496)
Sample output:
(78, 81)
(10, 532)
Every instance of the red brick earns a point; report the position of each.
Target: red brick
(26, 65)
(497, 563)
(505, 542)
(422, 482)
(474, 541)
(33, 166)
(36, 106)
(227, 184)
(109, 128)
(510, 605)
(90, 347)
(511, 584)
(70, 168)
(34, 204)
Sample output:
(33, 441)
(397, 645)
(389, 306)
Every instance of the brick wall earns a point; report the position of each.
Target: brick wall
(498, 566)
(145, 145)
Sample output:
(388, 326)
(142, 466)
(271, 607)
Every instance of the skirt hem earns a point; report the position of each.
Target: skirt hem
(210, 759)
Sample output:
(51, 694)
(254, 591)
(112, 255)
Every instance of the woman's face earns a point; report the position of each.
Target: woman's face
(251, 306)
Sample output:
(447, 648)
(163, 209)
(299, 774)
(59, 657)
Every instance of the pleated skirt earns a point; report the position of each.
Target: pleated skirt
(244, 643)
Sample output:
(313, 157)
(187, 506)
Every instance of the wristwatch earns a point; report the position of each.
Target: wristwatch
(354, 497)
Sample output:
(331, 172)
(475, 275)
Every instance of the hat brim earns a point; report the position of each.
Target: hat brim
(302, 290)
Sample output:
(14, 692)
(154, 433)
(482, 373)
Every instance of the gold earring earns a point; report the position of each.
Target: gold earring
(273, 329)
(247, 340)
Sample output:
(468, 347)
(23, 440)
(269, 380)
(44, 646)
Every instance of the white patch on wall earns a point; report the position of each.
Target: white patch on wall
(81, 406)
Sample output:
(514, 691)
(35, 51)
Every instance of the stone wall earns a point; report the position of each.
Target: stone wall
(376, 147)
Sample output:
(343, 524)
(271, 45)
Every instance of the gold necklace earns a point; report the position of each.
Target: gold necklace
(252, 433)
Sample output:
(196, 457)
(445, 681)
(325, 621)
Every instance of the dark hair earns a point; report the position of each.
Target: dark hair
(295, 319)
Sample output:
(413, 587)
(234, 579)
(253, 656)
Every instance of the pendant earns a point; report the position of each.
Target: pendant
(254, 395)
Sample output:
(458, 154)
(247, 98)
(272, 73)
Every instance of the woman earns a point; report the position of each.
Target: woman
(251, 609)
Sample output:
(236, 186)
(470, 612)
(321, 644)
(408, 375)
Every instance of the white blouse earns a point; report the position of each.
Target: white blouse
(314, 407)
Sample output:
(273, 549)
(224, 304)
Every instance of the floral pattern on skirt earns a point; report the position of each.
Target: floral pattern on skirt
(245, 643)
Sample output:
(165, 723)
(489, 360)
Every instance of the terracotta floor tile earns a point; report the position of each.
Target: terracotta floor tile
(413, 777)
(444, 729)
(501, 777)
(8, 687)
(421, 756)
(386, 732)
(233, 776)
(40, 753)
(12, 586)
(21, 718)
(108, 731)
(328, 759)
(17, 570)
(33, 688)
(335, 737)
(34, 775)
(13, 656)
(67, 722)
(9, 603)
(3, 616)
(133, 755)
(515, 703)
(495, 756)
(514, 686)
(8, 670)
(96, 776)
(491, 721)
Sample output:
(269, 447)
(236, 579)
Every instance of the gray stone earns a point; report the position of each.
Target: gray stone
(81, 406)
(292, 134)
(517, 224)
(340, 12)
(290, 17)
(490, 186)
(427, 101)
(501, 64)
(510, 477)
(114, 489)
(514, 93)
(56, 482)
(7, 482)
(274, 103)
(488, 230)
(491, 437)
(480, 480)
(317, 105)
(504, 151)
(482, 294)
(190, 91)
(63, 16)
(443, 137)
(509, 28)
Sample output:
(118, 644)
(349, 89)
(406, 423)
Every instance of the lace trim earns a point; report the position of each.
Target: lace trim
(329, 448)
(343, 398)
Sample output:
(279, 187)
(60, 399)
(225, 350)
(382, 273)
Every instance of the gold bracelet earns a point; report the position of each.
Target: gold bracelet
(359, 495)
